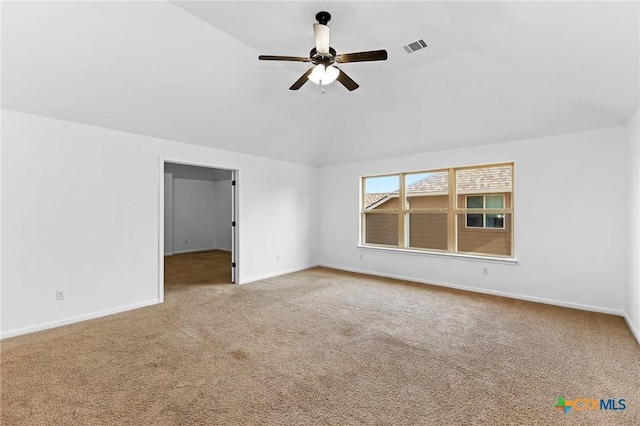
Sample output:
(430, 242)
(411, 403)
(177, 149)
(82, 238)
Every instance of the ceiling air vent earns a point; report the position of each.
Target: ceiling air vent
(416, 45)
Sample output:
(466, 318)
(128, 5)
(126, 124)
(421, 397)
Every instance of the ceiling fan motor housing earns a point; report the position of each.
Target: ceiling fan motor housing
(319, 58)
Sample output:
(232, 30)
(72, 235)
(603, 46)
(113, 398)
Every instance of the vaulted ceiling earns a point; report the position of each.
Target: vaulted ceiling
(188, 71)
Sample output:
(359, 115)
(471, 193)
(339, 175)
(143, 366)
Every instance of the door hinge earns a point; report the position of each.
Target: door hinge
(233, 264)
(233, 223)
(233, 183)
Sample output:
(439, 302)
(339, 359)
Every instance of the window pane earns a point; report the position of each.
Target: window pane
(489, 241)
(381, 229)
(495, 202)
(381, 193)
(427, 190)
(495, 221)
(475, 202)
(484, 179)
(475, 220)
(427, 231)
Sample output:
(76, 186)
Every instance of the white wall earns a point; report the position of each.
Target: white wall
(95, 234)
(194, 215)
(568, 241)
(223, 215)
(632, 294)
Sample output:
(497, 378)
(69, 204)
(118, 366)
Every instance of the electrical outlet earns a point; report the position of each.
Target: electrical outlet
(278, 257)
(485, 271)
(185, 241)
(360, 256)
(59, 294)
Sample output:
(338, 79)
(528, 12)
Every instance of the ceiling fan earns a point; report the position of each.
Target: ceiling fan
(324, 57)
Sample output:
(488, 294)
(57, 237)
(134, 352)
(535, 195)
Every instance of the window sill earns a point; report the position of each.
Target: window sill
(502, 260)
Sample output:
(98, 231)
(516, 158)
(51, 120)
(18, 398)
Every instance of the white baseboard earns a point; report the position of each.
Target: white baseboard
(632, 327)
(72, 320)
(554, 302)
(276, 274)
(198, 250)
(195, 250)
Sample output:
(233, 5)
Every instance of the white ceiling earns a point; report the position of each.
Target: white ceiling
(188, 71)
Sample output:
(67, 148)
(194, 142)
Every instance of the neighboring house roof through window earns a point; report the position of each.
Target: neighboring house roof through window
(489, 179)
(371, 199)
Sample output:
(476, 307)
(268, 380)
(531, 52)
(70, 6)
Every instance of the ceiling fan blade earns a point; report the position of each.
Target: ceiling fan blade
(283, 58)
(321, 35)
(347, 81)
(373, 55)
(302, 80)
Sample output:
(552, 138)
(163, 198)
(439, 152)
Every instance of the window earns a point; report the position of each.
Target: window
(485, 220)
(457, 210)
(381, 206)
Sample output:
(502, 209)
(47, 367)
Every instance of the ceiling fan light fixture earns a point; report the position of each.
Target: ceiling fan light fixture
(331, 74)
(317, 74)
(324, 75)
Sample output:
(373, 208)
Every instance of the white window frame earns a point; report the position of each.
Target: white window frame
(454, 212)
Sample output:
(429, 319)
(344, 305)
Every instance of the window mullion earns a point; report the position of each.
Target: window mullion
(451, 219)
(363, 205)
(401, 213)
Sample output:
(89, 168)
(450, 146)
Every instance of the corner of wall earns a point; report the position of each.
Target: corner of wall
(632, 208)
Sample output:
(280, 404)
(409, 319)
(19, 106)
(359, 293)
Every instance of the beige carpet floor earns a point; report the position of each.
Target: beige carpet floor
(321, 347)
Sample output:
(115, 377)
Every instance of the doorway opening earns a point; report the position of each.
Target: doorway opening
(198, 225)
